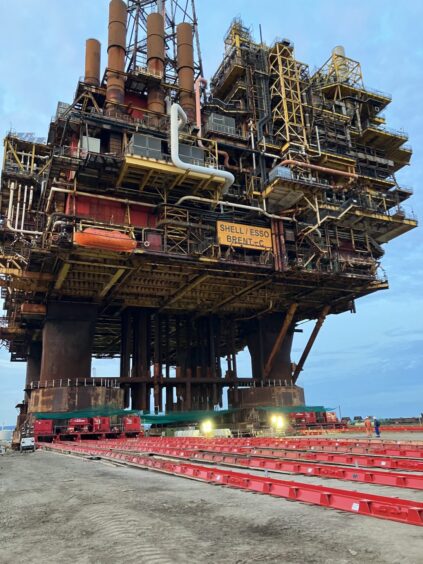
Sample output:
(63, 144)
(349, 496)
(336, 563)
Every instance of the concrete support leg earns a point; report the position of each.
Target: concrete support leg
(67, 341)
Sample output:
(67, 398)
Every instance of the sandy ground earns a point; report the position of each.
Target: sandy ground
(62, 509)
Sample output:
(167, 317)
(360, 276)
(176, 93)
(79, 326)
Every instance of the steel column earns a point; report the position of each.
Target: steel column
(280, 339)
(310, 342)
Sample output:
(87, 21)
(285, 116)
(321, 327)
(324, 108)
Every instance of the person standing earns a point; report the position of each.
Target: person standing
(368, 426)
(377, 427)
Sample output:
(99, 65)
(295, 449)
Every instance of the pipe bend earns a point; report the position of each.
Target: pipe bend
(178, 119)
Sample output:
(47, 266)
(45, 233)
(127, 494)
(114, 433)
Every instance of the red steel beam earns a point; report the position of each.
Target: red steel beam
(386, 451)
(375, 458)
(335, 458)
(382, 507)
(395, 479)
(277, 442)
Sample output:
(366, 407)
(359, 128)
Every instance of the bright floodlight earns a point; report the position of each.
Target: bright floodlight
(277, 421)
(207, 426)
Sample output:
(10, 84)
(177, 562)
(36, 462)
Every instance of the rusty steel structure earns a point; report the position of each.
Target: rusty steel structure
(172, 222)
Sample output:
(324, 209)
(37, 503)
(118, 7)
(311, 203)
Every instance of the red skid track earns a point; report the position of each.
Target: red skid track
(394, 509)
(335, 458)
(400, 480)
(381, 478)
(246, 447)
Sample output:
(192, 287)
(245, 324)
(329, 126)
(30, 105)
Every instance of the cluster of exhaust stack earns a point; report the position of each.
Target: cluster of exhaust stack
(156, 60)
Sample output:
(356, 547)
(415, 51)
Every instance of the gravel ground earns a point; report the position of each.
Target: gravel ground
(57, 508)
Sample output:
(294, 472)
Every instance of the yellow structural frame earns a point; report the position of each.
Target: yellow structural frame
(285, 91)
(177, 175)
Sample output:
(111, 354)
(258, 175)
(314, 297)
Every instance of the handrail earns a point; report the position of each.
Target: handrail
(73, 383)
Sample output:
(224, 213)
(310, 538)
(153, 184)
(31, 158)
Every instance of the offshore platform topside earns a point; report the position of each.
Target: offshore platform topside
(173, 222)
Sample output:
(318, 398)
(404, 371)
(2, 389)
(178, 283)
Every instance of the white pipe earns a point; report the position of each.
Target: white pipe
(232, 205)
(18, 204)
(10, 219)
(24, 207)
(197, 86)
(50, 196)
(178, 119)
(23, 231)
(11, 196)
(318, 141)
(31, 195)
(253, 146)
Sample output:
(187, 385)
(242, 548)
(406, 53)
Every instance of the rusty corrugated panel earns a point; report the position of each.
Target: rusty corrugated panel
(73, 398)
(33, 309)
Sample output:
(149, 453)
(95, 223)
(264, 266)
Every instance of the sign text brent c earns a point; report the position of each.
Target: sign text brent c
(245, 236)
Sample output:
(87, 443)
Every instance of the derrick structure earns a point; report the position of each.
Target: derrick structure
(172, 225)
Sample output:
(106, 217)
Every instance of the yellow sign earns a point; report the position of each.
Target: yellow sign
(245, 236)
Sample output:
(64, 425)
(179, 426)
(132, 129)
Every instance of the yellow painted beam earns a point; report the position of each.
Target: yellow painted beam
(385, 218)
(12, 150)
(163, 168)
(62, 275)
(185, 289)
(17, 273)
(116, 276)
(241, 293)
(146, 179)
(122, 173)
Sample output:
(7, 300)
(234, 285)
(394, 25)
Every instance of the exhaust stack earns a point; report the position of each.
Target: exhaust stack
(92, 62)
(156, 59)
(184, 34)
(116, 52)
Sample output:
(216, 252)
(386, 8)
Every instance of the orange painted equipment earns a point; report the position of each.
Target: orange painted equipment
(103, 239)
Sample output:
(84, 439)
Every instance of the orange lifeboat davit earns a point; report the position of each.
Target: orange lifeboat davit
(104, 239)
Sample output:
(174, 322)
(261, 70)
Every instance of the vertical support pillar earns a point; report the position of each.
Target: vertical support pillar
(188, 396)
(33, 367)
(157, 364)
(189, 367)
(233, 349)
(125, 351)
(212, 361)
(169, 389)
(141, 359)
(68, 336)
(272, 339)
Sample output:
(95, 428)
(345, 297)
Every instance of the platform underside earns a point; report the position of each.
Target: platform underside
(178, 286)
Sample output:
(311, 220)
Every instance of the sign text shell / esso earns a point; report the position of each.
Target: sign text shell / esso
(245, 236)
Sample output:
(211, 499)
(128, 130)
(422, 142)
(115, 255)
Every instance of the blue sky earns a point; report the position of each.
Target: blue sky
(368, 363)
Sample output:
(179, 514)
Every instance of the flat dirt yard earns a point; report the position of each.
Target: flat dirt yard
(61, 509)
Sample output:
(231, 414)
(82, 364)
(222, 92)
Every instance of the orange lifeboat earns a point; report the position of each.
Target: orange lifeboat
(103, 239)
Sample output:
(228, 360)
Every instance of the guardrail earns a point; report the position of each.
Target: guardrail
(74, 383)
